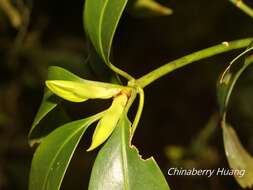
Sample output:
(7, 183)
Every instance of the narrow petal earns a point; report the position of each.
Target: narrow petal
(80, 91)
(109, 121)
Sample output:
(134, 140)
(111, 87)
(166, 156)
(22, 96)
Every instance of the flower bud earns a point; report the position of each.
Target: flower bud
(81, 91)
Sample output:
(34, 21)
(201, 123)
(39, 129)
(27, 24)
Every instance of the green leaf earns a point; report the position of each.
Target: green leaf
(53, 155)
(101, 71)
(118, 165)
(230, 76)
(100, 21)
(50, 104)
(148, 8)
(238, 157)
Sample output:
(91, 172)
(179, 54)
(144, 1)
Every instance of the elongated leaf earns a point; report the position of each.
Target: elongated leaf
(148, 8)
(53, 155)
(101, 71)
(50, 103)
(238, 158)
(119, 167)
(229, 78)
(101, 18)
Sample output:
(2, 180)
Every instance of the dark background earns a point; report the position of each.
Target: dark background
(177, 107)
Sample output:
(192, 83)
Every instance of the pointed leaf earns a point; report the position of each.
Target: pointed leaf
(50, 103)
(109, 121)
(118, 165)
(53, 155)
(100, 21)
(238, 157)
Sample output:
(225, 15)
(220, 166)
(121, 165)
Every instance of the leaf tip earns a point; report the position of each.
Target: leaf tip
(238, 158)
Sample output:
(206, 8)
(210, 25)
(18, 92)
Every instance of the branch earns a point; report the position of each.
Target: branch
(241, 5)
(183, 61)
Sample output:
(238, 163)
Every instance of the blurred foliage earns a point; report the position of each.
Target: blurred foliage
(199, 154)
(147, 8)
(51, 34)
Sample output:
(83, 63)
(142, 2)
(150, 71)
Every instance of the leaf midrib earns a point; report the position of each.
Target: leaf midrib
(106, 58)
(100, 30)
(124, 159)
(58, 152)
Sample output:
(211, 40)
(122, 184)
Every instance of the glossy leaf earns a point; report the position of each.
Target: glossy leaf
(100, 21)
(238, 157)
(229, 78)
(109, 121)
(101, 71)
(53, 155)
(118, 165)
(50, 104)
(148, 8)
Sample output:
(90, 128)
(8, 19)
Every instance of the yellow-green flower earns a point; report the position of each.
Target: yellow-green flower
(81, 91)
(109, 121)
